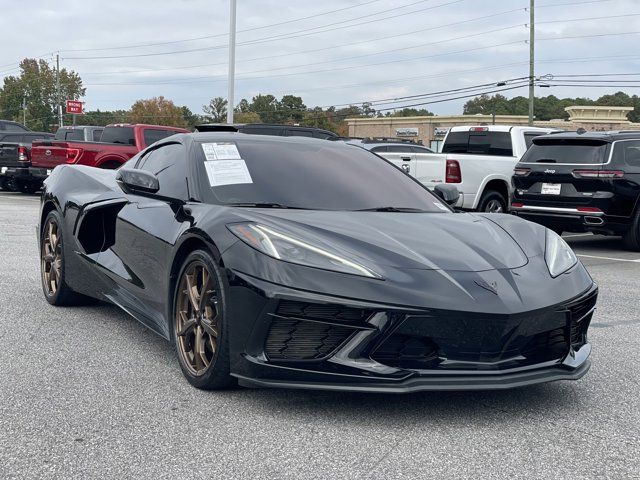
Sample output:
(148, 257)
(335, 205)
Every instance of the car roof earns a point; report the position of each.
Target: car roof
(499, 128)
(608, 136)
(369, 145)
(204, 137)
(71, 127)
(234, 126)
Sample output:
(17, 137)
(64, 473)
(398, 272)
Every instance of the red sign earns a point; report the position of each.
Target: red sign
(74, 106)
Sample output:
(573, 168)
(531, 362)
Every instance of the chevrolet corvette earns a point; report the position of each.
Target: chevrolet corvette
(304, 263)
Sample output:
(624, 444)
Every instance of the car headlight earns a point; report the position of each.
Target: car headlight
(287, 248)
(558, 254)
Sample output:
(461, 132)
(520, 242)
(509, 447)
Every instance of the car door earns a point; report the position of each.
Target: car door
(146, 229)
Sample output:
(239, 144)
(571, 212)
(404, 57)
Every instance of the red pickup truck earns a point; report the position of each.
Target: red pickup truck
(119, 142)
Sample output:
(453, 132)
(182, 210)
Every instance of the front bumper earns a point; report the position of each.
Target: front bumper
(326, 344)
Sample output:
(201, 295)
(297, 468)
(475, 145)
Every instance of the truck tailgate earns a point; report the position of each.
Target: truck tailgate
(49, 155)
(9, 155)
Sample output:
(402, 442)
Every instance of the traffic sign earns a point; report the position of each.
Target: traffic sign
(74, 106)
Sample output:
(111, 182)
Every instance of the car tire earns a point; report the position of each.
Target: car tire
(631, 239)
(199, 323)
(492, 202)
(52, 264)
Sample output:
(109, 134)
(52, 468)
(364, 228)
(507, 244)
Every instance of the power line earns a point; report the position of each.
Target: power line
(304, 33)
(566, 20)
(225, 34)
(332, 47)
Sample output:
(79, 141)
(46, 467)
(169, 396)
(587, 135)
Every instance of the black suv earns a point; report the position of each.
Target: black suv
(269, 129)
(582, 182)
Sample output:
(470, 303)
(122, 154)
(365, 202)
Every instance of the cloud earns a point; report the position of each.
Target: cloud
(365, 50)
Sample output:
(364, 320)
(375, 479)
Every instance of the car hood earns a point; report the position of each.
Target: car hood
(431, 241)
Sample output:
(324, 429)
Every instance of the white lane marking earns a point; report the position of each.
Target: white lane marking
(610, 258)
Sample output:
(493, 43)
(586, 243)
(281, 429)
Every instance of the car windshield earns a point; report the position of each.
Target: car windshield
(318, 175)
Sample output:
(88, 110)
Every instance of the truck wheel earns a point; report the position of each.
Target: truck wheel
(492, 202)
(631, 239)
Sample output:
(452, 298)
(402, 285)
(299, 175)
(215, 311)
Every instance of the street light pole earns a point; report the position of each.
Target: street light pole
(60, 120)
(232, 59)
(532, 34)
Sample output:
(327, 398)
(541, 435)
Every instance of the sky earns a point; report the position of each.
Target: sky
(332, 52)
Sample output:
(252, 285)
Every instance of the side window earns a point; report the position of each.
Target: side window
(14, 127)
(169, 164)
(152, 135)
(528, 138)
(74, 135)
(322, 135)
(381, 149)
(97, 134)
(399, 149)
(627, 153)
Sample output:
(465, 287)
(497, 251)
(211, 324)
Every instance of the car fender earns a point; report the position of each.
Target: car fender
(483, 185)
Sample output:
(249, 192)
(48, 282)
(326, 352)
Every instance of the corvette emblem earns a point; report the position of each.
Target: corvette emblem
(490, 286)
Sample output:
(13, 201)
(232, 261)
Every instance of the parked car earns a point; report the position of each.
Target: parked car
(582, 182)
(118, 143)
(80, 133)
(302, 263)
(15, 160)
(478, 160)
(269, 129)
(401, 153)
(8, 126)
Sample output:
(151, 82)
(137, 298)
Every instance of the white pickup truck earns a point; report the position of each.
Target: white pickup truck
(478, 160)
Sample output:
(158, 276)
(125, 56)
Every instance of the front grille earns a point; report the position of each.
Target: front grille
(322, 311)
(406, 351)
(291, 339)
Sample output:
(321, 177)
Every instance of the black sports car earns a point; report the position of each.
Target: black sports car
(295, 262)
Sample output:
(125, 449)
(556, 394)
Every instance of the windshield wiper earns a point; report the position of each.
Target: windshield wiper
(391, 209)
(263, 205)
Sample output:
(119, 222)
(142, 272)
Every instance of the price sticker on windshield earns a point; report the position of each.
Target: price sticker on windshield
(220, 151)
(227, 172)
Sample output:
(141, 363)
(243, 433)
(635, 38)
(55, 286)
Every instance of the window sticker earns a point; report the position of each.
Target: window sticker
(221, 151)
(227, 172)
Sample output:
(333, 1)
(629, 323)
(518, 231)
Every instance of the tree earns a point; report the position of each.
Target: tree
(216, 111)
(101, 118)
(36, 85)
(291, 109)
(157, 110)
(410, 112)
(246, 117)
(266, 106)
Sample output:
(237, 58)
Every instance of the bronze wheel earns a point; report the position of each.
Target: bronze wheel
(51, 257)
(198, 317)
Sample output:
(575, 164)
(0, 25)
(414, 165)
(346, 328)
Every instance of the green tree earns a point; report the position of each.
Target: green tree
(36, 85)
(216, 111)
(159, 111)
(266, 106)
(291, 109)
(246, 117)
(410, 112)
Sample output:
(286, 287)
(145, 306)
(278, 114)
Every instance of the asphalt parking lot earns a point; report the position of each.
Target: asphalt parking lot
(89, 392)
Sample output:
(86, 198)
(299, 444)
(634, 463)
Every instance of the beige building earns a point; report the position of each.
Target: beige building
(431, 130)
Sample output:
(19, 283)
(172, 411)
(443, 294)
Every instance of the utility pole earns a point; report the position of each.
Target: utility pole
(24, 109)
(232, 59)
(58, 103)
(532, 35)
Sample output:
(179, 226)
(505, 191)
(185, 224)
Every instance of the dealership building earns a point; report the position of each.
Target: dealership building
(431, 130)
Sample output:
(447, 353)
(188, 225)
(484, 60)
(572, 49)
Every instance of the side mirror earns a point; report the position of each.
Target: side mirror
(133, 180)
(448, 193)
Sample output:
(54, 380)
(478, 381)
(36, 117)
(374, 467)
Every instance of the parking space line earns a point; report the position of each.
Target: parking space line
(610, 258)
